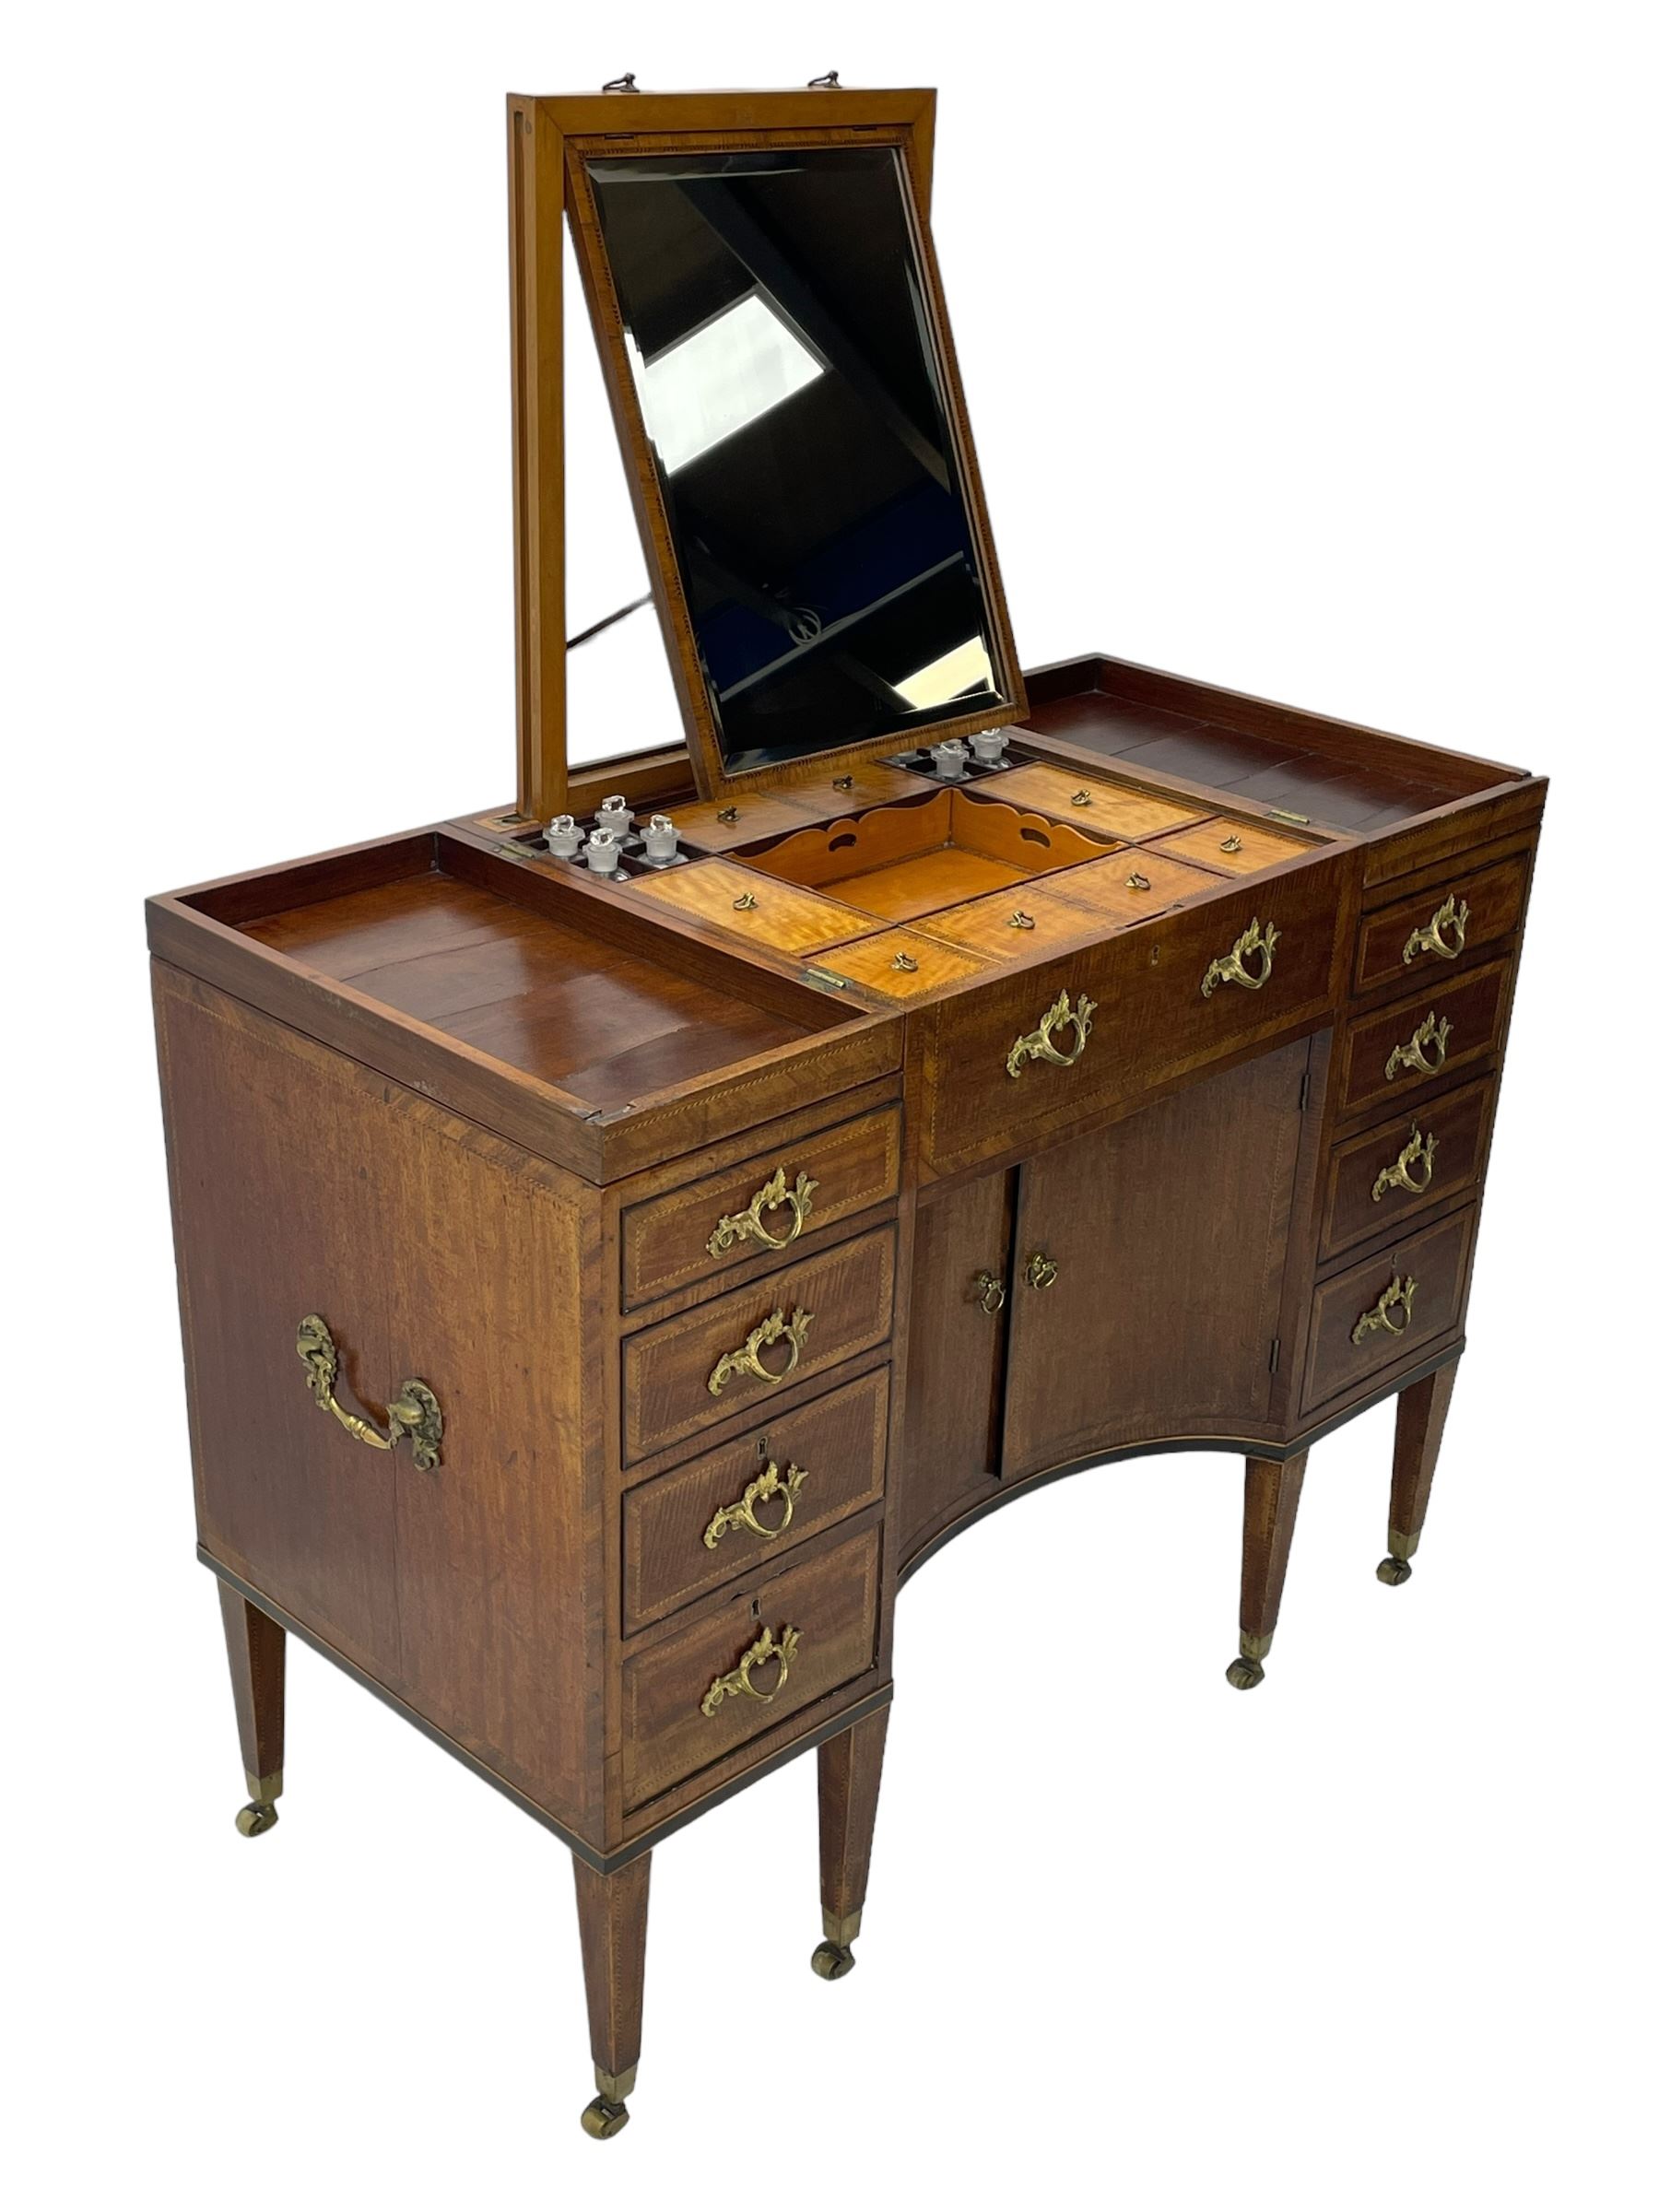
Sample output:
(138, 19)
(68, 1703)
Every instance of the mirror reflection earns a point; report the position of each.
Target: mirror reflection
(776, 326)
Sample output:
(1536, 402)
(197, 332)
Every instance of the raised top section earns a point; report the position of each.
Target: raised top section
(779, 363)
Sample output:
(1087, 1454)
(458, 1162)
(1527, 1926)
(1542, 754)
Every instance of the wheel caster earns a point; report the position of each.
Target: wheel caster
(254, 1819)
(831, 1962)
(1393, 1571)
(1244, 1673)
(602, 2119)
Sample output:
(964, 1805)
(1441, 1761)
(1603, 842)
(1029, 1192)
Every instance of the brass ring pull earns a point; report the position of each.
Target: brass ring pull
(414, 1413)
(737, 1684)
(1398, 1177)
(992, 1297)
(1228, 967)
(1038, 1043)
(1444, 936)
(743, 1515)
(1398, 1294)
(1430, 1036)
(1041, 1271)
(744, 903)
(734, 1229)
(746, 1359)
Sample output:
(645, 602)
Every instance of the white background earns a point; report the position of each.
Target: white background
(1309, 351)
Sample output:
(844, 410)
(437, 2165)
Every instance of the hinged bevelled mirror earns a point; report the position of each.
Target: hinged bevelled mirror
(779, 363)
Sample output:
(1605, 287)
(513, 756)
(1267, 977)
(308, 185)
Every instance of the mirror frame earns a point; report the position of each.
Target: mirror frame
(551, 142)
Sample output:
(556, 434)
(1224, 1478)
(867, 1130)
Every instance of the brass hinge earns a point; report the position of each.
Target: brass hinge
(1273, 1358)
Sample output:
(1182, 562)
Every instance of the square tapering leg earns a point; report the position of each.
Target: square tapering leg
(1419, 1423)
(849, 1785)
(1272, 1493)
(257, 1647)
(611, 1909)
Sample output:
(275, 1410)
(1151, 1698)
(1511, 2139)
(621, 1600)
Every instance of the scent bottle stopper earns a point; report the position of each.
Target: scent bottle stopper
(616, 815)
(604, 851)
(951, 760)
(989, 745)
(564, 840)
(662, 838)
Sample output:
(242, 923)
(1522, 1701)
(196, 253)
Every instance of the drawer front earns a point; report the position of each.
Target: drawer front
(1401, 1303)
(736, 1511)
(691, 1699)
(1151, 1020)
(731, 1355)
(1442, 1030)
(781, 1197)
(1444, 928)
(1420, 1161)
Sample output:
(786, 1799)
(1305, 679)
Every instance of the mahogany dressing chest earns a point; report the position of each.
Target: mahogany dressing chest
(622, 1236)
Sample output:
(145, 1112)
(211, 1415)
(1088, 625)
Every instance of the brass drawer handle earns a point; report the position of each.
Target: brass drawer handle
(743, 1515)
(746, 1359)
(1038, 1043)
(1444, 936)
(992, 1297)
(414, 1413)
(1428, 1036)
(734, 1228)
(1228, 967)
(1040, 1272)
(737, 1684)
(1398, 1178)
(1397, 1294)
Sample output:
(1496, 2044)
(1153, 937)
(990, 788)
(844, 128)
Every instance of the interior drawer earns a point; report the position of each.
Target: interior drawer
(1426, 1158)
(729, 1356)
(783, 1196)
(1402, 1302)
(1442, 1030)
(1151, 1019)
(802, 1472)
(1448, 926)
(683, 1704)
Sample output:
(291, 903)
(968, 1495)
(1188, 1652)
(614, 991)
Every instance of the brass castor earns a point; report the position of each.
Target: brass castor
(1392, 1571)
(254, 1819)
(1244, 1673)
(832, 1961)
(603, 2119)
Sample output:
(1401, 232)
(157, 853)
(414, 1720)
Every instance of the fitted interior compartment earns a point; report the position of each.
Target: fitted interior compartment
(919, 856)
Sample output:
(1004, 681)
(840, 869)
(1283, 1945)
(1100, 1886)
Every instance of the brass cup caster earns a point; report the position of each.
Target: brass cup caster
(1394, 1572)
(1244, 1673)
(603, 2119)
(254, 1818)
(831, 1962)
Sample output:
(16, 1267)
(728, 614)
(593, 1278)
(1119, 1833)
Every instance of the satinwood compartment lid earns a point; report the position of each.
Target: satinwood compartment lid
(776, 350)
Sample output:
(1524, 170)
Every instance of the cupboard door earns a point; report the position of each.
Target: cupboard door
(1147, 1270)
(958, 1336)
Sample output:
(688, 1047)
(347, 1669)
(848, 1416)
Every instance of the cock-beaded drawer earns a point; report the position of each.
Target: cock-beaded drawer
(1444, 1029)
(1386, 1311)
(1449, 925)
(1417, 1163)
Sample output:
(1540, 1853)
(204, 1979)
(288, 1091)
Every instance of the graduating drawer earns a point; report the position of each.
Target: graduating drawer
(1441, 1031)
(1447, 926)
(731, 1354)
(781, 1197)
(1017, 1059)
(696, 1697)
(736, 1511)
(1388, 1311)
(1419, 1162)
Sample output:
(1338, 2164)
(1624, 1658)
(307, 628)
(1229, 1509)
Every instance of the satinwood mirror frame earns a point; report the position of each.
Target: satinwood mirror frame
(647, 125)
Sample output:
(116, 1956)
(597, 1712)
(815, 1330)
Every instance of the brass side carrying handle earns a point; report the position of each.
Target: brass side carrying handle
(737, 1684)
(1428, 1038)
(1398, 1294)
(764, 1487)
(733, 1228)
(746, 1359)
(1398, 1177)
(1444, 936)
(414, 1413)
(1038, 1043)
(1228, 967)
(993, 1294)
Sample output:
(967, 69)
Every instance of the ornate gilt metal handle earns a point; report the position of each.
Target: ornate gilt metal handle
(1398, 1294)
(737, 1684)
(414, 1413)
(1228, 967)
(746, 1359)
(1398, 1178)
(734, 1229)
(1040, 1272)
(993, 1296)
(1428, 1036)
(1444, 936)
(743, 1515)
(1038, 1043)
